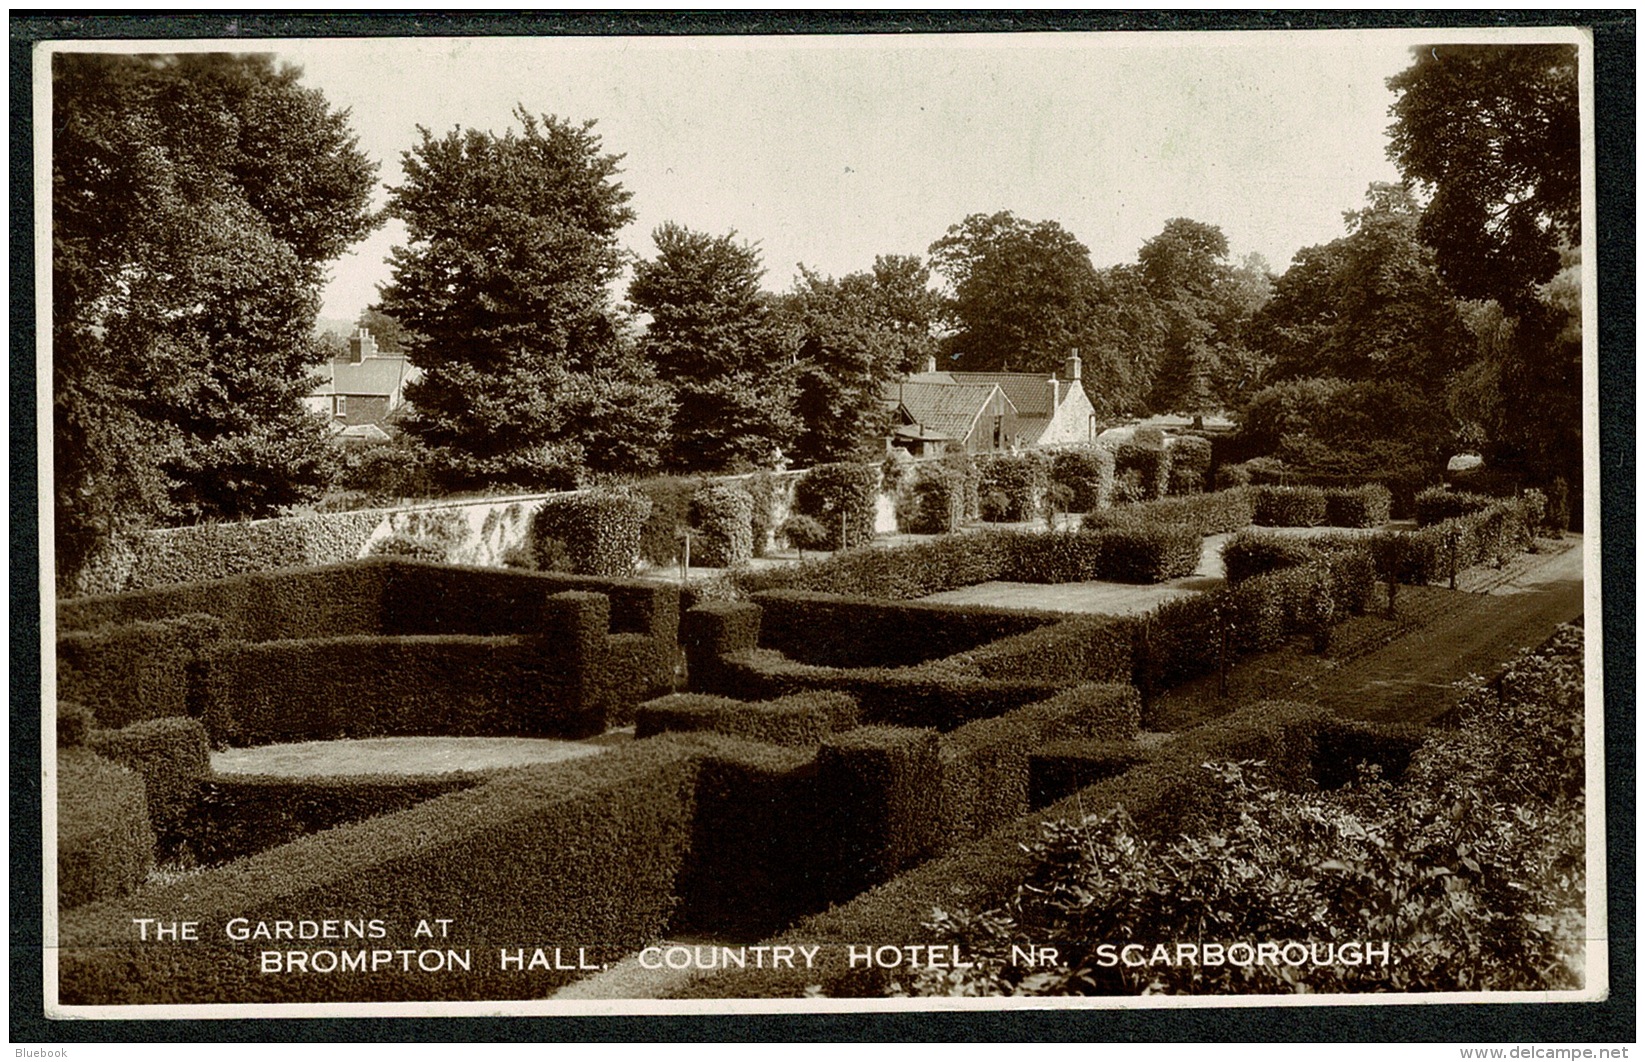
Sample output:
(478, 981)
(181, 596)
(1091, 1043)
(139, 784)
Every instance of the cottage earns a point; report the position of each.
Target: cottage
(981, 412)
(363, 391)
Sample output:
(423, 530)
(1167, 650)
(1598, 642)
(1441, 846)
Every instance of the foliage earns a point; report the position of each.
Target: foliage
(511, 244)
(1190, 464)
(1436, 504)
(723, 516)
(1289, 408)
(1472, 877)
(805, 532)
(1152, 465)
(714, 341)
(105, 844)
(936, 500)
(388, 471)
(853, 336)
(841, 497)
(195, 202)
(1088, 474)
(1289, 506)
(599, 529)
(1019, 480)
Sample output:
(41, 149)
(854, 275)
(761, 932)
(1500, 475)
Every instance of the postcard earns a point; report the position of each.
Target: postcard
(659, 524)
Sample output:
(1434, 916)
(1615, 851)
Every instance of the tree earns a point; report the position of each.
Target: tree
(854, 336)
(713, 339)
(1492, 133)
(1019, 292)
(195, 202)
(502, 286)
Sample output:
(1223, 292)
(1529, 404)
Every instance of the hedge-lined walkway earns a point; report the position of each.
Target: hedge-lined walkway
(1403, 670)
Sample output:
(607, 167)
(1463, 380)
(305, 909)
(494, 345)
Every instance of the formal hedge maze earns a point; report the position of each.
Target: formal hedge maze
(820, 744)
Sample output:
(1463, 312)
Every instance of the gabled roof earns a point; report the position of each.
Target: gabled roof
(380, 375)
(1027, 390)
(948, 408)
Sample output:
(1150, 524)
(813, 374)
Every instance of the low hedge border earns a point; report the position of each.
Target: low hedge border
(1163, 794)
(884, 811)
(1080, 649)
(1437, 552)
(105, 845)
(127, 673)
(985, 764)
(1367, 506)
(1289, 506)
(586, 851)
(833, 631)
(802, 719)
(1208, 514)
(1436, 505)
(170, 755)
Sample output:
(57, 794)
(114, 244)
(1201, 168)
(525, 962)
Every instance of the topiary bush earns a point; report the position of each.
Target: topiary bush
(1088, 473)
(840, 497)
(1190, 464)
(105, 845)
(670, 498)
(805, 532)
(935, 503)
(170, 755)
(1367, 506)
(1289, 507)
(1436, 504)
(127, 672)
(724, 518)
(1015, 483)
(598, 530)
(1152, 466)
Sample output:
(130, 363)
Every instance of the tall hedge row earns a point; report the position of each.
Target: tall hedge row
(1366, 506)
(935, 501)
(1209, 514)
(586, 852)
(885, 813)
(1290, 506)
(171, 756)
(1088, 473)
(1436, 504)
(105, 844)
(840, 497)
(126, 673)
(1011, 486)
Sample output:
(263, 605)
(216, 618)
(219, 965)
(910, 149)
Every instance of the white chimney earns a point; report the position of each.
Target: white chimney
(930, 363)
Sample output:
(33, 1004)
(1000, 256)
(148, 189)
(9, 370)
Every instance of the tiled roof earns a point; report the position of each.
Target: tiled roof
(1029, 392)
(381, 375)
(948, 408)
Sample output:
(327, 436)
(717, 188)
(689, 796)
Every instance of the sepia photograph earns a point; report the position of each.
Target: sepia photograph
(670, 524)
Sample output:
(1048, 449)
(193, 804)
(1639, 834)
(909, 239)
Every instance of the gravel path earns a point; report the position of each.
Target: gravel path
(396, 755)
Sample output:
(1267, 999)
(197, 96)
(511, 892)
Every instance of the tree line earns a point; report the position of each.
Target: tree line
(197, 200)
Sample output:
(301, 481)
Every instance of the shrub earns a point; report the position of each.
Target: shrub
(1207, 514)
(713, 631)
(170, 755)
(1289, 506)
(74, 724)
(128, 672)
(1081, 649)
(599, 530)
(1367, 506)
(410, 547)
(105, 844)
(796, 720)
(1252, 553)
(670, 498)
(1088, 473)
(1152, 466)
(723, 516)
(1057, 769)
(1018, 481)
(840, 497)
(835, 631)
(762, 491)
(637, 668)
(882, 805)
(936, 501)
(587, 850)
(1436, 504)
(803, 533)
(1559, 506)
(1190, 464)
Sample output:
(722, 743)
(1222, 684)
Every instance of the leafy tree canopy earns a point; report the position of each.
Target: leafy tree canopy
(714, 341)
(195, 202)
(502, 285)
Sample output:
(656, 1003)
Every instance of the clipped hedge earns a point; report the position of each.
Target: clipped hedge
(1151, 464)
(171, 756)
(670, 498)
(985, 764)
(1080, 649)
(1057, 769)
(884, 811)
(598, 531)
(1016, 482)
(1367, 506)
(445, 599)
(1436, 505)
(1088, 473)
(713, 632)
(215, 551)
(935, 502)
(1487, 536)
(797, 720)
(1252, 553)
(236, 815)
(126, 673)
(587, 851)
(840, 497)
(1289, 506)
(834, 631)
(637, 668)
(1190, 464)
(105, 845)
(723, 516)
(1208, 514)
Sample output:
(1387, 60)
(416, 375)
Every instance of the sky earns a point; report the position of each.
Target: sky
(832, 150)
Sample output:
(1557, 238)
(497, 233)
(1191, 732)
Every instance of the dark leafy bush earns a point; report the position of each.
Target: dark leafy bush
(1018, 480)
(1081, 649)
(171, 756)
(1088, 472)
(599, 529)
(1367, 506)
(840, 497)
(1289, 506)
(1190, 464)
(723, 516)
(1437, 504)
(1253, 553)
(1152, 466)
(803, 533)
(797, 720)
(670, 514)
(105, 844)
(388, 472)
(762, 491)
(1208, 514)
(75, 723)
(936, 501)
(885, 811)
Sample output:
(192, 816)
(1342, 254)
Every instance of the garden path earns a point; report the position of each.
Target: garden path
(396, 755)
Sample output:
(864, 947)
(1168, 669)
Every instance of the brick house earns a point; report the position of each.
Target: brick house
(362, 391)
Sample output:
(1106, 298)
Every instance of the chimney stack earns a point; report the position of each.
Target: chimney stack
(362, 346)
(930, 363)
(1071, 367)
